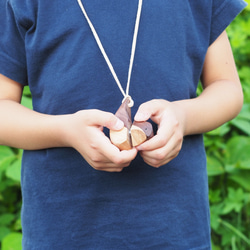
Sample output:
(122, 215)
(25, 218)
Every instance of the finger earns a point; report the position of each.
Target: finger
(159, 156)
(101, 150)
(144, 112)
(172, 148)
(104, 166)
(155, 142)
(148, 110)
(109, 167)
(128, 155)
(156, 163)
(163, 155)
(111, 170)
(123, 157)
(113, 154)
(167, 128)
(159, 140)
(101, 162)
(105, 119)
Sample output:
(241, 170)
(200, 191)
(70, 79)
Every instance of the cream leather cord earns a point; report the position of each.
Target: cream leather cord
(133, 48)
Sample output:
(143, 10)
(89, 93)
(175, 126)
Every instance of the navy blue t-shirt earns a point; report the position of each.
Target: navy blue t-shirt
(49, 46)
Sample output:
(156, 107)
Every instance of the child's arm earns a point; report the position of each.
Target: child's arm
(220, 101)
(27, 129)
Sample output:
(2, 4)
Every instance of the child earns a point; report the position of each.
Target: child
(79, 190)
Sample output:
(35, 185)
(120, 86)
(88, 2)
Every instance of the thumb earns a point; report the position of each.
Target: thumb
(144, 112)
(152, 109)
(105, 119)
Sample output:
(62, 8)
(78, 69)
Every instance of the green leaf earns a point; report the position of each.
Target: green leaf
(214, 195)
(248, 6)
(3, 232)
(242, 125)
(7, 156)
(12, 241)
(26, 91)
(234, 201)
(215, 211)
(4, 165)
(18, 225)
(245, 164)
(5, 152)
(242, 178)
(235, 231)
(242, 121)
(6, 219)
(214, 167)
(27, 102)
(233, 243)
(237, 150)
(244, 72)
(221, 131)
(226, 235)
(214, 247)
(14, 171)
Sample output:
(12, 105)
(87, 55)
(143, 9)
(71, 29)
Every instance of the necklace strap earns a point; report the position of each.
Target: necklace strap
(99, 43)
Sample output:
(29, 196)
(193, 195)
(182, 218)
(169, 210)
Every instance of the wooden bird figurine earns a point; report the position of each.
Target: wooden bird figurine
(122, 138)
(140, 132)
(131, 135)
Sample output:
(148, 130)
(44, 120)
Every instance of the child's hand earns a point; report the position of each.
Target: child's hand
(167, 143)
(84, 132)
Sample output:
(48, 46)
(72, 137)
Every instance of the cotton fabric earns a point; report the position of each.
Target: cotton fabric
(49, 46)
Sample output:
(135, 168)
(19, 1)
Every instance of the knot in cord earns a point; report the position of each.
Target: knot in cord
(131, 102)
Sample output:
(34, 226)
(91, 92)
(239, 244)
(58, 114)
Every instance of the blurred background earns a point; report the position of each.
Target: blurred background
(228, 165)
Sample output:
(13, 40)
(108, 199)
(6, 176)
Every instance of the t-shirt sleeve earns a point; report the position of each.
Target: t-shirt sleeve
(223, 13)
(12, 45)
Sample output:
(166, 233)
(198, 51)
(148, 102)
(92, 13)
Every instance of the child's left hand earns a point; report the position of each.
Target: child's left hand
(167, 143)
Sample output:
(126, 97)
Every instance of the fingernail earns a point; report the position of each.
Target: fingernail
(141, 117)
(119, 124)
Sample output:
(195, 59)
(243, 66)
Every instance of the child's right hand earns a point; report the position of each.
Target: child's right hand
(27, 129)
(84, 132)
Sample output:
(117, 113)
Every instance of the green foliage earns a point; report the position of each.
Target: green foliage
(228, 160)
(12, 241)
(228, 166)
(10, 193)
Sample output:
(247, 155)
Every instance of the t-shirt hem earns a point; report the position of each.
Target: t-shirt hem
(224, 16)
(12, 69)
